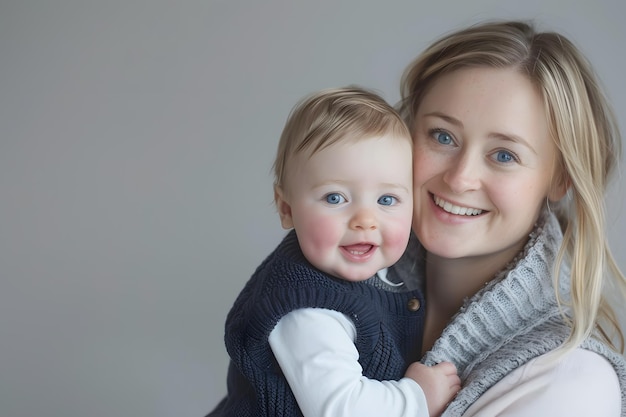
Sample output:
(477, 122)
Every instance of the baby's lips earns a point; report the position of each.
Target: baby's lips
(359, 247)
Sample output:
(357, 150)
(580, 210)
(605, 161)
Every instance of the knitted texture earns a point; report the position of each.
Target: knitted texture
(512, 320)
(388, 334)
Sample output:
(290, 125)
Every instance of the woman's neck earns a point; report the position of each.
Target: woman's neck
(450, 281)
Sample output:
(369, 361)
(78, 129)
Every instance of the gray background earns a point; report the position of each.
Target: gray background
(136, 141)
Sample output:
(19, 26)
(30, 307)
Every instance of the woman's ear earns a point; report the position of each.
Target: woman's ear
(283, 207)
(559, 187)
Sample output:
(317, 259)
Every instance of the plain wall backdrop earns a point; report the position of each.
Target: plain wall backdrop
(136, 143)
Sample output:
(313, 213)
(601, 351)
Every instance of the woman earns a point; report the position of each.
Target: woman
(514, 145)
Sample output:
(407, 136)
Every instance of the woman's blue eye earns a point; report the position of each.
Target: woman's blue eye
(387, 200)
(443, 138)
(504, 157)
(334, 198)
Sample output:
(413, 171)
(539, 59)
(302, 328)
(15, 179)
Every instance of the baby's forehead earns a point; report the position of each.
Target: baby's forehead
(350, 156)
(350, 139)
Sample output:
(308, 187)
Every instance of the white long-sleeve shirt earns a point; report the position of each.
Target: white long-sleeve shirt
(316, 352)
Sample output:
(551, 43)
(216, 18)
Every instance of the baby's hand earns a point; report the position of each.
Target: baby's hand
(440, 384)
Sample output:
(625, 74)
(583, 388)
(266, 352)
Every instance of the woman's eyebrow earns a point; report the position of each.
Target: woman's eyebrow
(445, 117)
(511, 137)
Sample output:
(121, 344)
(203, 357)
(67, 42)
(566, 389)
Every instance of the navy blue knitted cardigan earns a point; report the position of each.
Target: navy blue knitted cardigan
(388, 331)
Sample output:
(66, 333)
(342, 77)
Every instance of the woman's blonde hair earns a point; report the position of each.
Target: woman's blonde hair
(332, 115)
(584, 130)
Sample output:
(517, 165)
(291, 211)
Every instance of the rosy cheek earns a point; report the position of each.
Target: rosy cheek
(319, 234)
(400, 240)
(323, 233)
(397, 236)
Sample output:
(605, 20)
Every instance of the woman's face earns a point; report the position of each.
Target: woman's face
(484, 163)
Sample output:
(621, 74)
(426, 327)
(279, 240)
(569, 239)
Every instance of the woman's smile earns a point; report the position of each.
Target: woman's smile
(454, 209)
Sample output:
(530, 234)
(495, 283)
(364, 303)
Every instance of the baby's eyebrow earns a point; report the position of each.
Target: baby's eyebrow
(394, 186)
(327, 182)
(385, 185)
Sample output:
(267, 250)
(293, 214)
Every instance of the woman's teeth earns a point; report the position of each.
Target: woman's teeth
(451, 208)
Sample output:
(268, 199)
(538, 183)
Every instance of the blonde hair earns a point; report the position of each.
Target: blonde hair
(584, 130)
(332, 115)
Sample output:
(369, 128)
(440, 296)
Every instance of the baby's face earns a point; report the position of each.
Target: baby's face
(351, 205)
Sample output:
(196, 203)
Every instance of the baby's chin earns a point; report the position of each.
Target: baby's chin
(354, 275)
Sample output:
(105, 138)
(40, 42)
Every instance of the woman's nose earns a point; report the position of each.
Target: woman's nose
(363, 219)
(463, 174)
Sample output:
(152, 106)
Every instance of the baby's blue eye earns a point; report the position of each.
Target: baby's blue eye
(504, 157)
(387, 200)
(334, 198)
(443, 138)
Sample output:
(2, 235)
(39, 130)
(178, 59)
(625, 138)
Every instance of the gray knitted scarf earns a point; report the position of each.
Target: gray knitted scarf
(512, 320)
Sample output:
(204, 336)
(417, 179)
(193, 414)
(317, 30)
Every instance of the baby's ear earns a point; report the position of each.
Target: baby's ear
(283, 207)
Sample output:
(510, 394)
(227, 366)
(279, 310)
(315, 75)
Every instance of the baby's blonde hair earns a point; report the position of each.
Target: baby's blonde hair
(332, 115)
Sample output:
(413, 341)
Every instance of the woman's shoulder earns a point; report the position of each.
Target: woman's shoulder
(581, 382)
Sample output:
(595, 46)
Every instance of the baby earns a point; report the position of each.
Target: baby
(320, 329)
